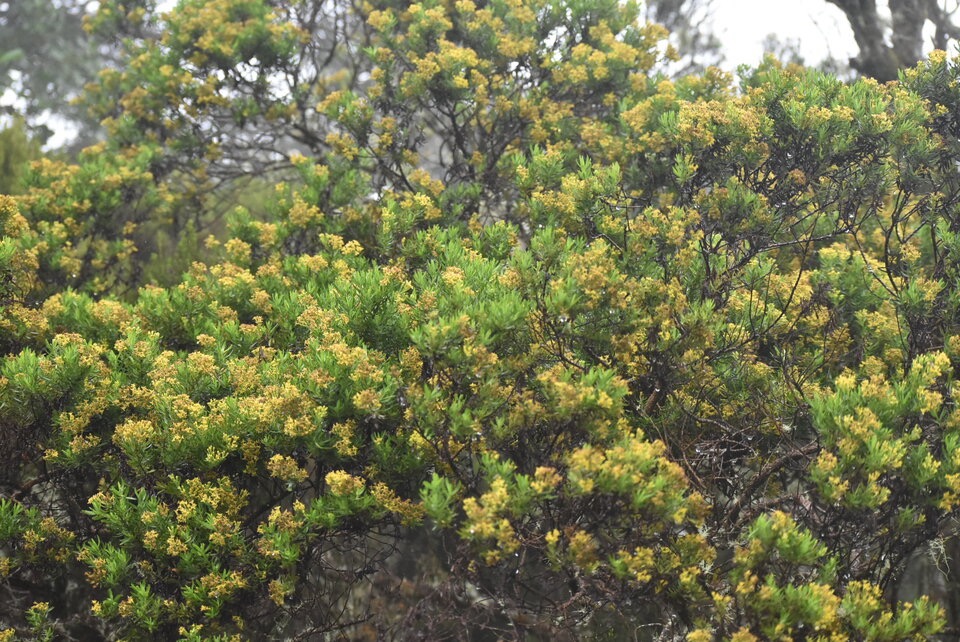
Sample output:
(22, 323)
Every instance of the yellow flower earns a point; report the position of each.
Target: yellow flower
(345, 431)
(553, 537)
(175, 546)
(367, 400)
(342, 483)
(545, 478)
(238, 251)
(352, 248)
(743, 635)
(297, 427)
(408, 511)
(583, 549)
(381, 20)
(286, 468)
(453, 276)
(278, 592)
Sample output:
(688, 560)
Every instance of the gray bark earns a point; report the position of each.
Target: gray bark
(885, 48)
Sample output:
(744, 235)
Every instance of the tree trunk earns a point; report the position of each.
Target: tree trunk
(888, 46)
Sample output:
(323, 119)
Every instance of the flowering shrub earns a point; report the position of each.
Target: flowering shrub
(529, 340)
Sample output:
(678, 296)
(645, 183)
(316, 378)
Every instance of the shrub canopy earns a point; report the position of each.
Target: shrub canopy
(528, 340)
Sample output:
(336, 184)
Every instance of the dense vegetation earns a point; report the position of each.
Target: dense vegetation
(513, 337)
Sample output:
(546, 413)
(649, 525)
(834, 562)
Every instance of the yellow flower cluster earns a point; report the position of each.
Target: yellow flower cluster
(303, 214)
(286, 468)
(485, 522)
(409, 512)
(640, 563)
(345, 432)
(343, 483)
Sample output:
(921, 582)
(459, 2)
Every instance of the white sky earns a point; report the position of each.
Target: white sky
(819, 27)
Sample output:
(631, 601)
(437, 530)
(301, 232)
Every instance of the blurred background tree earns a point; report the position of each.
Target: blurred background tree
(690, 32)
(891, 43)
(45, 61)
(17, 149)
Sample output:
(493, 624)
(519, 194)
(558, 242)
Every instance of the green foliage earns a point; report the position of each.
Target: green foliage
(17, 149)
(597, 350)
